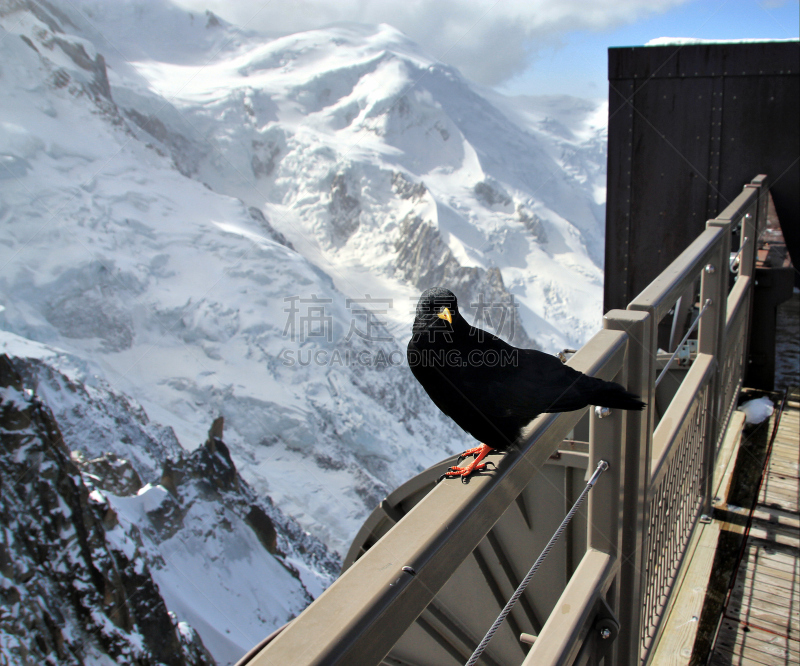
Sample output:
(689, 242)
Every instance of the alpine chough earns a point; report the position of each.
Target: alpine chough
(489, 388)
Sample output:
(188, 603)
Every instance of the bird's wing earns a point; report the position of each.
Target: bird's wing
(542, 383)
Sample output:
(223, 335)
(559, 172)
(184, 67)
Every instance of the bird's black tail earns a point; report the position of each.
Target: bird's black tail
(616, 397)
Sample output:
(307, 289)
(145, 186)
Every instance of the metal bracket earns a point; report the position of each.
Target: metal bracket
(605, 630)
(686, 350)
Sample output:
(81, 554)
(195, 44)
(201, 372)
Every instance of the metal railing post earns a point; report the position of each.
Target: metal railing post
(762, 183)
(635, 457)
(750, 225)
(605, 519)
(710, 341)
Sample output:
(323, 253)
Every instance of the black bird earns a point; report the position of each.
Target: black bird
(489, 388)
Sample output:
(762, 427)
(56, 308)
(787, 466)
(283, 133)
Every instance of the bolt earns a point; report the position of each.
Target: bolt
(710, 269)
(605, 633)
(409, 570)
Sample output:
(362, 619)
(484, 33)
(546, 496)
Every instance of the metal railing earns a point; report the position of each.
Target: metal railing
(640, 517)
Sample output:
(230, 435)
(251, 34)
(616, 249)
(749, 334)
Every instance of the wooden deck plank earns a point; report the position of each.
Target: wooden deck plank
(733, 637)
(770, 570)
(748, 658)
(745, 644)
(758, 589)
(767, 584)
(773, 649)
(775, 607)
(675, 646)
(775, 555)
(764, 620)
(779, 482)
(763, 560)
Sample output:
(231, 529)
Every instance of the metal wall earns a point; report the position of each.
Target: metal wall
(687, 126)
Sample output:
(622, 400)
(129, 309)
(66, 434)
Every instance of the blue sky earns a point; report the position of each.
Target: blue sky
(579, 65)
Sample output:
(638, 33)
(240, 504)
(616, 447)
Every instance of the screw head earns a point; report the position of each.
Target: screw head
(605, 633)
(710, 269)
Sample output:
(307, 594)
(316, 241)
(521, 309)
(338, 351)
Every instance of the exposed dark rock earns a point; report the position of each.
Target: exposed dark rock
(264, 528)
(110, 472)
(27, 40)
(533, 223)
(344, 209)
(212, 461)
(179, 147)
(407, 189)
(273, 233)
(213, 21)
(491, 194)
(76, 52)
(63, 585)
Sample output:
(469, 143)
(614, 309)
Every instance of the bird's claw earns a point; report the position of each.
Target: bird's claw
(463, 471)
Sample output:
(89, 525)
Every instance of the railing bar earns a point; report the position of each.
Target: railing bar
(681, 343)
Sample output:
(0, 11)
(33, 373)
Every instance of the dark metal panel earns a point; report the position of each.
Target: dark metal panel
(761, 134)
(688, 127)
(696, 60)
(618, 199)
(670, 166)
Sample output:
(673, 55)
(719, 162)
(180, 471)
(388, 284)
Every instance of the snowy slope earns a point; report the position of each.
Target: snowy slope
(169, 181)
(226, 562)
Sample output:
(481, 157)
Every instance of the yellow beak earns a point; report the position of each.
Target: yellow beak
(445, 314)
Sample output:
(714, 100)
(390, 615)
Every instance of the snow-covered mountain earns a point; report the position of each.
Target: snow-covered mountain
(206, 222)
(192, 567)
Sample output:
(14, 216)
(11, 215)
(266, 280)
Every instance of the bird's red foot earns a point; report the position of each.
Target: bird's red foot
(480, 453)
(463, 471)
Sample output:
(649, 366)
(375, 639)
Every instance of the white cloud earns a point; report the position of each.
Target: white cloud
(488, 40)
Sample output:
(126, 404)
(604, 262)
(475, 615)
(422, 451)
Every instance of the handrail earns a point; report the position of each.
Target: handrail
(660, 295)
(686, 433)
(561, 637)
